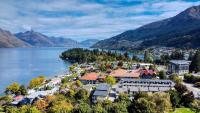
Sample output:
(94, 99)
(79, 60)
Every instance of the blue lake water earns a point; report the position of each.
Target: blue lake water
(22, 64)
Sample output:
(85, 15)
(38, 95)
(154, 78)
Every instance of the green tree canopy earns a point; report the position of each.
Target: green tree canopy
(162, 75)
(110, 80)
(13, 88)
(83, 108)
(195, 64)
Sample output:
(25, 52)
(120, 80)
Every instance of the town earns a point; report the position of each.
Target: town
(111, 77)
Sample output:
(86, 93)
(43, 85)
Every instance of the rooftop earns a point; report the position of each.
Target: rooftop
(90, 76)
(100, 93)
(147, 72)
(125, 73)
(180, 61)
(103, 87)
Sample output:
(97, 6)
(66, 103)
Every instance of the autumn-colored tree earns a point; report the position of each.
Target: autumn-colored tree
(36, 82)
(61, 107)
(50, 98)
(41, 104)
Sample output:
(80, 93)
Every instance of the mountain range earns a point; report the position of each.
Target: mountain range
(7, 39)
(89, 42)
(182, 31)
(36, 39)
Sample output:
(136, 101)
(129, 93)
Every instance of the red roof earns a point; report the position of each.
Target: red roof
(125, 73)
(147, 72)
(90, 76)
(18, 98)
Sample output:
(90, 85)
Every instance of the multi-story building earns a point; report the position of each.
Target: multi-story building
(131, 86)
(179, 66)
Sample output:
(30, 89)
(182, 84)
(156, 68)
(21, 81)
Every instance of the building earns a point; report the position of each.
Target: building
(147, 74)
(131, 86)
(101, 92)
(89, 78)
(122, 74)
(179, 66)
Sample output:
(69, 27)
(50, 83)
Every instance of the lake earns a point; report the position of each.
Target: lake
(22, 64)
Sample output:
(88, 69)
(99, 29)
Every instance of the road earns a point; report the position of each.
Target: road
(196, 91)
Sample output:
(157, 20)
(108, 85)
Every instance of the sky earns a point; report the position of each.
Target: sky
(86, 19)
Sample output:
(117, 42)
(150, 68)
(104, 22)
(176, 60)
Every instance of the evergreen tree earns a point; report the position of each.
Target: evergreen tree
(195, 64)
(147, 57)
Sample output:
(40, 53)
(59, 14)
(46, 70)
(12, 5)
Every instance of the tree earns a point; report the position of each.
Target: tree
(175, 78)
(23, 90)
(195, 64)
(70, 93)
(126, 55)
(41, 104)
(187, 99)
(181, 88)
(78, 83)
(142, 105)
(177, 55)
(11, 109)
(135, 58)
(83, 108)
(123, 98)
(50, 98)
(120, 64)
(5, 100)
(152, 67)
(28, 109)
(119, 108)
(196, 106)
(36, 82)
(174, 98)
(147, 57)
(61, 107)
(13, 88)
(81, 94)
(162, 75)
(162, 101)
(110, 80)
(98, 108)
(191, 55)
(71, 68)
(197, 84)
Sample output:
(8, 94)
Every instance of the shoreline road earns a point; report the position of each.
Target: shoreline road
(196, 91)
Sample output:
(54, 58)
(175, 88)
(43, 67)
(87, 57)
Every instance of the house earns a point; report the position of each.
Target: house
(147, 74)
(54, 82)
(121, 74)
(17, 100)
(131, 86)
(89, 78)
(101, 92)
(179, 66)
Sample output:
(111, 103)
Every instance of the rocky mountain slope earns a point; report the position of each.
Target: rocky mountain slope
(181, 31)
(9, 40)
(37, 39)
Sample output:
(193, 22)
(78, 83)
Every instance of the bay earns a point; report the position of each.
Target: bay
(22, 64)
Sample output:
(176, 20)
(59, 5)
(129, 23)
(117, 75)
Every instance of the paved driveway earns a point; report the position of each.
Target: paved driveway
(196, 91)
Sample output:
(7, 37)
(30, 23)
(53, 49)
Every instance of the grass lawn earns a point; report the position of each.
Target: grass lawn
(183, 110)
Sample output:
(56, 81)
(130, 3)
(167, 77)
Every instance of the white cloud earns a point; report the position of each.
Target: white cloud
(81, 19)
